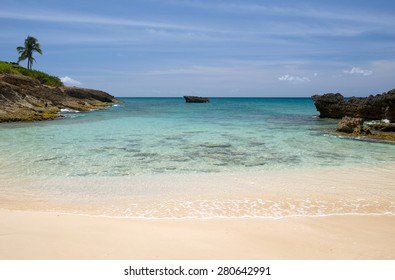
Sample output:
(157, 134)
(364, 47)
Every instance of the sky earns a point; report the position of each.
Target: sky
(235, 48)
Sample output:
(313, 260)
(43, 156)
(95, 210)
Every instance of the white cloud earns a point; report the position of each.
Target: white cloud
(293, 78)
(357, 70)
(69, 81)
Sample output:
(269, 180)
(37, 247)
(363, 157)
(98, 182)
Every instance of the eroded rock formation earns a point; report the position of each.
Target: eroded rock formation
(380, 106)
(26, 99)
(352, 125)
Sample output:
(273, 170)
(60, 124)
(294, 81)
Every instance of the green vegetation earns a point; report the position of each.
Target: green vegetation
(26, 52)
(45, 79)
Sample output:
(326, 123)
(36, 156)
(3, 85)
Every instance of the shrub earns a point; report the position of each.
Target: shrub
(45, 79)
(5, 67)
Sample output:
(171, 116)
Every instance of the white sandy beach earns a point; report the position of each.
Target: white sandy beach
(34, 235)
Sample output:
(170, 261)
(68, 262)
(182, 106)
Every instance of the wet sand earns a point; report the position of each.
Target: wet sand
(328, 191)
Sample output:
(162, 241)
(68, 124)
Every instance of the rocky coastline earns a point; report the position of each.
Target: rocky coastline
(371, 117)
(26, 99)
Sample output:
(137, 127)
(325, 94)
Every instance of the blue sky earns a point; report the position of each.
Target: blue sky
(209, 48)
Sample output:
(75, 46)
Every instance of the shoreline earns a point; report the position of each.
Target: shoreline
(277, 194)
(32, 228)
(32, 235)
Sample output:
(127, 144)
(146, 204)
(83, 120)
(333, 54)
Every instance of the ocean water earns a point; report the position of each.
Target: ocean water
(90, 158)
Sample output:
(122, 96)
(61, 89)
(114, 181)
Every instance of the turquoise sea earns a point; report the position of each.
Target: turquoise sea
(93, 155)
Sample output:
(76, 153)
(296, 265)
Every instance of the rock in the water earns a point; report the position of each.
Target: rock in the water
(348, 124)
(196, 99)
(381, 106)
(330, 105)
(352, 125)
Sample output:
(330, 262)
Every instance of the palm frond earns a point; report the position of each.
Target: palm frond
(26, 52)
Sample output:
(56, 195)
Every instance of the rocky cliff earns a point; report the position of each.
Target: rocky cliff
(26, 99)
(380, 106)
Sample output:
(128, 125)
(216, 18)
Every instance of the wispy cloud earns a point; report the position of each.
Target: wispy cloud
(298, 20)
(316, 11)
(55, 16)
(357, 70)
(193, 70)
(290, 78)
(69, 81)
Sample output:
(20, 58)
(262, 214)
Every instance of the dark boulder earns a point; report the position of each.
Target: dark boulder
(330, 105)
(196, 99)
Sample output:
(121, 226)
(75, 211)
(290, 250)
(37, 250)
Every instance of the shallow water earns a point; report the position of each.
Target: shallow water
(151, 136)
(98, 158)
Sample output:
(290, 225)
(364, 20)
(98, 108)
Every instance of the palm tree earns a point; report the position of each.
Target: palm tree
(31, 45)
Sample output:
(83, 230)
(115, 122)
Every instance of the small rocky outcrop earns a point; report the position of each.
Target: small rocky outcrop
(352, 125)
(26, 99)
(196, 99)
(381, 106)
